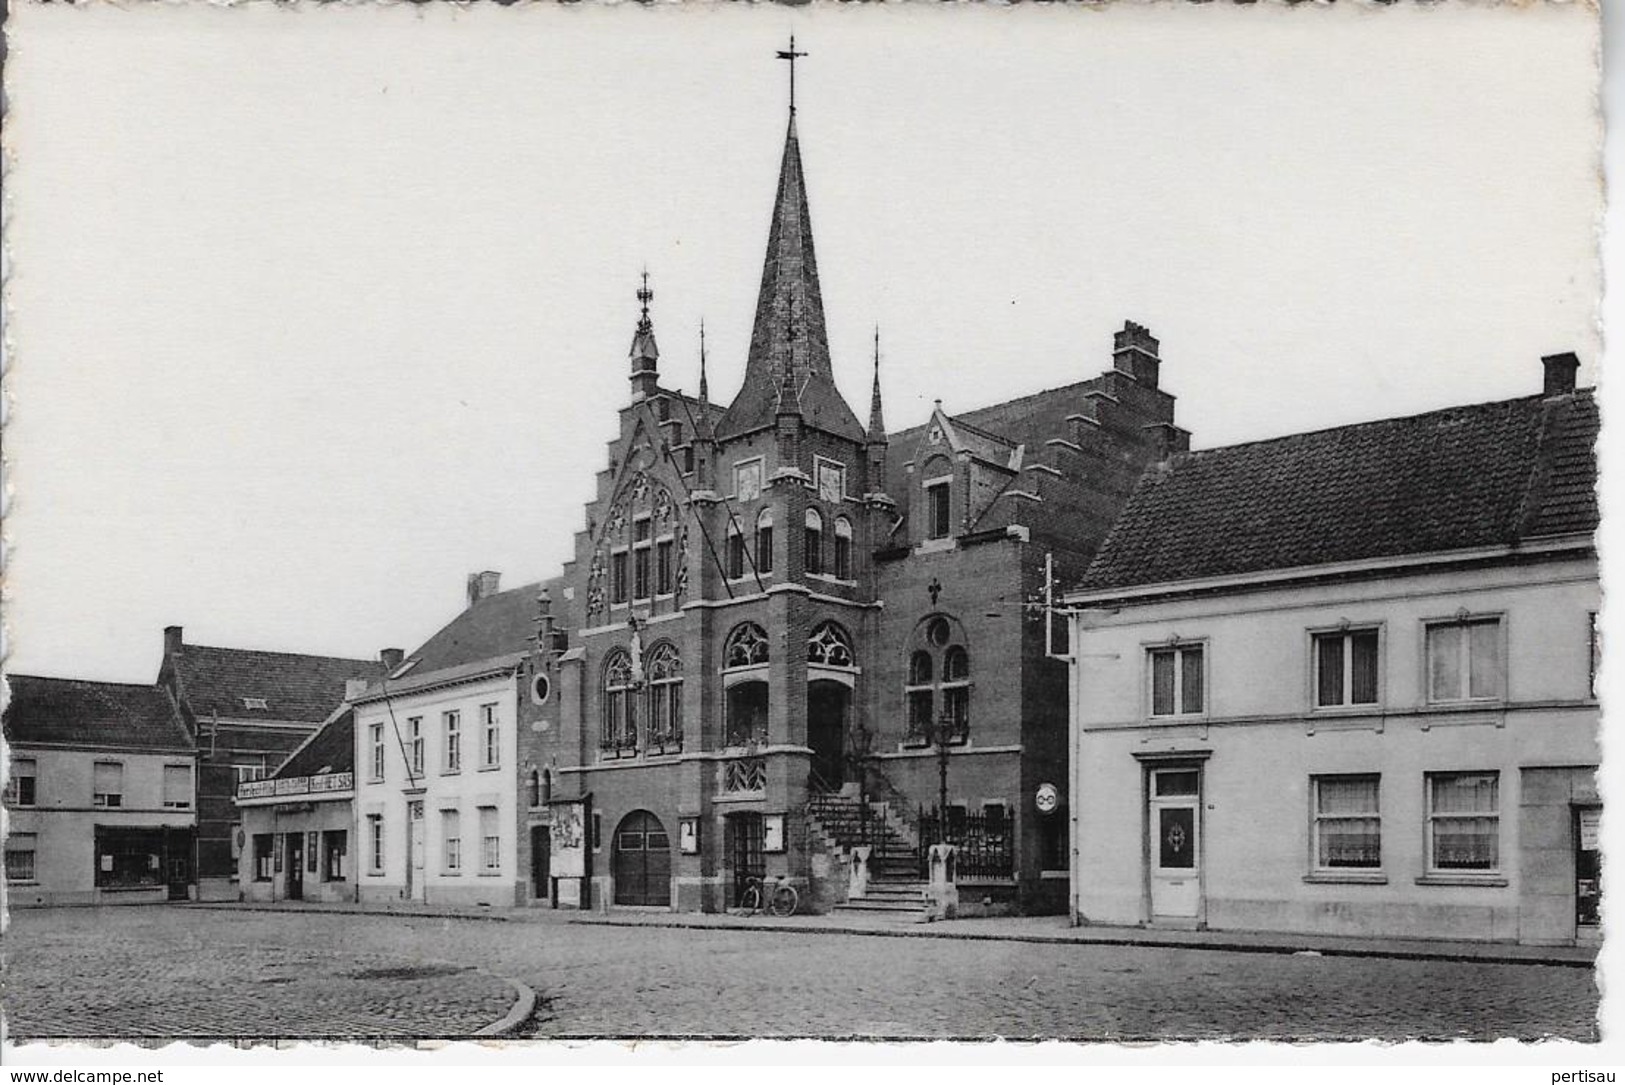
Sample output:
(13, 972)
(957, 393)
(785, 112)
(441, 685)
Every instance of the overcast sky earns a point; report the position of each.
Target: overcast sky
(317, 309)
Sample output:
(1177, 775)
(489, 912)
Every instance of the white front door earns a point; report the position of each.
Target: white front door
(1175, 826)
(414, 874)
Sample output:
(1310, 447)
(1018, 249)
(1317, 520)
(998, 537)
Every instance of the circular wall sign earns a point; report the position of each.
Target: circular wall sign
(540, 687)
(1047, 798)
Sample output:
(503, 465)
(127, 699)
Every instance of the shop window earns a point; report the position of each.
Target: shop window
(1464, 822)
(334, 846)
(264, 856)
(1347, 823)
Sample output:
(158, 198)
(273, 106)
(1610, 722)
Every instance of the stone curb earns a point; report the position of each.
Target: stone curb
(524, 1004)
(1490, 956)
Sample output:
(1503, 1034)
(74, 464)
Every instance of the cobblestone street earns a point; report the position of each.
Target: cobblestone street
(195, 972)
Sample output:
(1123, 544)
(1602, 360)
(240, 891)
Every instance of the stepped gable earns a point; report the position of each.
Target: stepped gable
(73, 712)
(302, 688)
(1493, 474)
(789, 335)
(500, 624)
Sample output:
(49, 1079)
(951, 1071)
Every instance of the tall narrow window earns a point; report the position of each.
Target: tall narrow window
(764, 541)
(490, 841)
(921, 694)
(1464, 660)
(1346, 668)
(936, 510)
(956, 690)
(736, 554)
(619, 727)
(451, 841)
(1176, 680)
(107, 784)
(1596, 654)
(664, 672)
(490, 737)
(1464, 821)
(21, 788)
(843, 549)
(617, 577)
(453, 722)
(334, 846)
(1348, 823)
(814, 545)
(663, 568)
(375, 843)
(177, 787)
(414, 744)
(642, 558)
(264, 856)
(377, 731)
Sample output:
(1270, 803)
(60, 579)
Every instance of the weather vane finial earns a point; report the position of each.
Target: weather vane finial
(790, 54)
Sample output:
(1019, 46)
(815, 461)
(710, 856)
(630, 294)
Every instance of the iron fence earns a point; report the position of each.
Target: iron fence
(986, 842)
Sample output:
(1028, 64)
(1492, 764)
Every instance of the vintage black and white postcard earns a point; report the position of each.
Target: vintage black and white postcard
(678, 521)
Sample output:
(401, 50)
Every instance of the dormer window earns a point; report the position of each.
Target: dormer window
(936, 509)
(255, 702)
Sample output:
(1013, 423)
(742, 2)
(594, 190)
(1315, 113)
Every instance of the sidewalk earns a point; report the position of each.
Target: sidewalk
(1041, 929)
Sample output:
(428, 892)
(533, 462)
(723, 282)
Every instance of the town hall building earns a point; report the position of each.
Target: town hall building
(779, 609)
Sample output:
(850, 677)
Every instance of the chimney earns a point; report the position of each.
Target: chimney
(1167, 440)
(1134, 351)
(482, 585)
(172, 640)
(1560, 370)
(390, 657)
(354, 687)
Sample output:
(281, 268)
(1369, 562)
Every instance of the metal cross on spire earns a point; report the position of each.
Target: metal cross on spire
(645, 295)
(790, 54)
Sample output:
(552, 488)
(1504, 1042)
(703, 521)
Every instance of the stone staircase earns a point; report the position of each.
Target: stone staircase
(895, 885)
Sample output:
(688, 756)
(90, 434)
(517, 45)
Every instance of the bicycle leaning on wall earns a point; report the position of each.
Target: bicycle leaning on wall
(780, 899)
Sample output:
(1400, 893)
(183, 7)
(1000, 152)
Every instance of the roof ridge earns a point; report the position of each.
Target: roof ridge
(13, 675)
(277, 652)
(1041, 394)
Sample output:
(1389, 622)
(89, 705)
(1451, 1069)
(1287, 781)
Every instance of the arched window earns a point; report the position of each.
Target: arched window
(619, 729)
(746, 646)
(830, 646)
(843, 548)
(535, 787)
(664, 671)
(939, 683)
(764, 541)
(736, 553)
(814, 546)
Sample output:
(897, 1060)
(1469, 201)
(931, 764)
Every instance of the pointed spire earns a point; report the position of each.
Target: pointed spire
(705, 388)
(789, 335)
(788, 400)
(877, 421)
(645, 354)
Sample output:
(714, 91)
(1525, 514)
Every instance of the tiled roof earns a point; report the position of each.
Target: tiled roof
(498, 625)
(74, 712)
(225, 681)
(1460, 478)
(332, 749)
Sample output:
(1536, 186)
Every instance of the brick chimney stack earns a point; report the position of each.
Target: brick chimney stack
(391, 657)
(1560, 371)
(172, 640)
(482, 585)
(1134, 351)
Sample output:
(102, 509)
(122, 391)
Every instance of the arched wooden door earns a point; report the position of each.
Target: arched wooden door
(642, 863)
